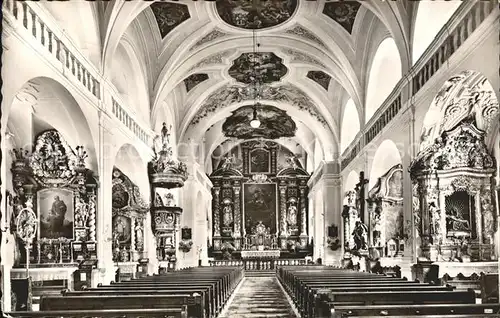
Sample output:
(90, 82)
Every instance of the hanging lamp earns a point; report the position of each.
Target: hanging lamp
(255, 122)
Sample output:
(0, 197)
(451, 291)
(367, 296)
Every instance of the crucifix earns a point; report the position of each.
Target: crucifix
(360, 189)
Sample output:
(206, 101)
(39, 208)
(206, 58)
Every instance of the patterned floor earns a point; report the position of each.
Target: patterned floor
(259, 297)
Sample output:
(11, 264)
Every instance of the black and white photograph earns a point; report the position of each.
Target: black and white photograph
(250, 159)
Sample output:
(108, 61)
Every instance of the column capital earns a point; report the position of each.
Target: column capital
(326, 169)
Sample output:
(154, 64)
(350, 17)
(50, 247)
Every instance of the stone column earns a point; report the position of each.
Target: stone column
(283, 227)
(132, 239)
(188, 217)
(105, 272)
(312, 217)
(408, 223)
(237, 216)
(150, 245)
(216, 217)
(326, 191)
(333, 215)
(303, 215)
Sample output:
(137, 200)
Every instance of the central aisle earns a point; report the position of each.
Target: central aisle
(259, 297)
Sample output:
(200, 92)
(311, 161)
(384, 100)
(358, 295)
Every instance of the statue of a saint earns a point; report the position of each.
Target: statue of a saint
(165, 136)
(360, 236)
(351, 198)
(292, 214)
(81, 212)
(434, 212)
(169, 199)
(139, 235)
(227, 215)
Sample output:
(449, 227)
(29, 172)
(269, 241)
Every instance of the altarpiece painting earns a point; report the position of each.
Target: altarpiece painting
(56, 215)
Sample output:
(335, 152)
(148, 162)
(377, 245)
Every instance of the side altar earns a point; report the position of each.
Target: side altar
(259, 203)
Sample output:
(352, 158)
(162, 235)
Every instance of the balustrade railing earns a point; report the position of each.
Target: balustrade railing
(122, 115)
(257, 264)
(453, 34)
(53, 43)
(60, 51)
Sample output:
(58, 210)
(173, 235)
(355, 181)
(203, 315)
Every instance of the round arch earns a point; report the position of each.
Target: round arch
(468, 94)
(129, 79)
(351, 181)
(134, 166)
(80, 20)
(430, 18)
(350, 125)
(386, 156)
(385, 72)
(33, 110)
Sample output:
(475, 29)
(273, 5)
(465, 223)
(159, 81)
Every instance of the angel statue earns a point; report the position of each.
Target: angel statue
(292, 213)
(228, 162)
(165, 136)
(293, 161)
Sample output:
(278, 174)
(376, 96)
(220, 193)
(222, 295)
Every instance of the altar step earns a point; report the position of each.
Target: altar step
(260, 273)
(259, 297)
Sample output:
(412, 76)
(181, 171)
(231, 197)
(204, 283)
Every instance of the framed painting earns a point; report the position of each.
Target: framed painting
(186, 233)
(55, 209)
(122, 228)
(260, 205)
(260, 161)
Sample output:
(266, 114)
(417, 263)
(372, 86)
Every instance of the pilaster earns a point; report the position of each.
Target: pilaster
(326, 192)
(104, 207)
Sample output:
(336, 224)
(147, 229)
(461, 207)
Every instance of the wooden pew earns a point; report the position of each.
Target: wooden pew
(203, 293)
(413, 310)
(180, 312)
(366, 298)
(195, 307)
(439, 316)
(317, 292)
(211, 305)
(489, 288)
(461, 282)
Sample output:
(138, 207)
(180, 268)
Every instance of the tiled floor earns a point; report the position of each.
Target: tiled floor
(259, 297)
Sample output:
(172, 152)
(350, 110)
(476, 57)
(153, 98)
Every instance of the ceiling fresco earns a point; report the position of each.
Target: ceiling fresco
(255, 14)
(275, 123)
(320, 77)
(228, 95)
(194, 80)
(342, 12)
(262, 67)
(169, 15)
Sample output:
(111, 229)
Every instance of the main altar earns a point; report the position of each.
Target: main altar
(259, 205)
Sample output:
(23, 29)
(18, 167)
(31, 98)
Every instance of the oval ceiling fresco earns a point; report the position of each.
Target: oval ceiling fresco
(263, 67)
(275, 123)
(255, 14)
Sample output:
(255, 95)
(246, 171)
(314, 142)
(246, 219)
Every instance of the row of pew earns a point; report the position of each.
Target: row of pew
(320, 291)
(191, 293)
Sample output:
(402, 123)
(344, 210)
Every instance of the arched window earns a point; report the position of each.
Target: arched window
(431, 17)
(350, 125)
(385, 72)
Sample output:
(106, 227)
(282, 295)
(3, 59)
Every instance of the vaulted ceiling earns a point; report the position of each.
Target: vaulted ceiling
(191, 60)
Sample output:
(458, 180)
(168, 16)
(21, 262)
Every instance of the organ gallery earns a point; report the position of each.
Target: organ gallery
(234, 158)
